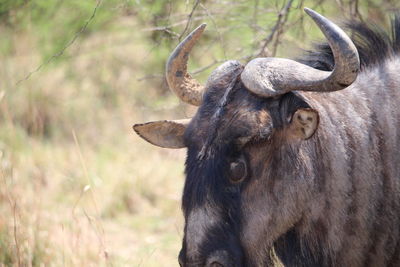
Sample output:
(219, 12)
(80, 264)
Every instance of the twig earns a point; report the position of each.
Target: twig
(189, 19)
(149, 77)
(199, 70)
(276, 31)
(164, 29)
(246, 58)
(282, 18)
(175, 24)
(280, 28)
(15, 232)
(99, 230)
(221, 40)
(61, 52)
(13, 205)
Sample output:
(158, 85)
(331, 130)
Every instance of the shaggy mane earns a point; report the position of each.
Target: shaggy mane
(374, 45)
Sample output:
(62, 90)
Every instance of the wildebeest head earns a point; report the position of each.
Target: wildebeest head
(247, 181)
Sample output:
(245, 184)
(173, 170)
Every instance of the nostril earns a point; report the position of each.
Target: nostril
(219, 259)
(216, 264)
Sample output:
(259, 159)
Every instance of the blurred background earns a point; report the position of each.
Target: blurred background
(77, 186)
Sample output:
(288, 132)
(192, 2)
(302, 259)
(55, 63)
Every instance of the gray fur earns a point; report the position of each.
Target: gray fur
(340, 190)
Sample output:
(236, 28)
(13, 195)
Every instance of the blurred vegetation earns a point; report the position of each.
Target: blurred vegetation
(77, 187)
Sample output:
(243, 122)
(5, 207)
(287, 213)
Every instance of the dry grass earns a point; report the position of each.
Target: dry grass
(77, 187)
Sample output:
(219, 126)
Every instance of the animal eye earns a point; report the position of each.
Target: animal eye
(238, 171)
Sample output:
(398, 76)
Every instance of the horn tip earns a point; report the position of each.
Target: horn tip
(315, 15)
(310, 12)
(201, 26)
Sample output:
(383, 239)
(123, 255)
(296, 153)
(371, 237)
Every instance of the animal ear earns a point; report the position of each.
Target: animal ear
(167, 133)
(304, 123)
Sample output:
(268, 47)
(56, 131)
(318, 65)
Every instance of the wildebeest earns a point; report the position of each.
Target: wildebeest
(298, 160)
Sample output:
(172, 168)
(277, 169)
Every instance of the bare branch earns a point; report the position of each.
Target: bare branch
(199, 70)
(282, 18)
(166, 29)
(216, 28)
(61, 52)
(189, 19)
(150, 77)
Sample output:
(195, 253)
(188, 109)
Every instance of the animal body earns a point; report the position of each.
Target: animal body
(300, 159)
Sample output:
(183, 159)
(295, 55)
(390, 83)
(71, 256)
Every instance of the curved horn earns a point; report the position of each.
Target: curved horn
(275, 76)
(179, 80)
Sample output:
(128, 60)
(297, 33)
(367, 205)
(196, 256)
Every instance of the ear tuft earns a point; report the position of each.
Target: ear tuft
(167, 133)
(304, 123)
